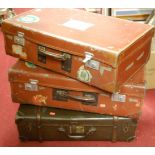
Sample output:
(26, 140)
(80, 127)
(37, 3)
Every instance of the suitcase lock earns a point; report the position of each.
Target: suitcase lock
(32, 85)
(76, 129)
(19, 39)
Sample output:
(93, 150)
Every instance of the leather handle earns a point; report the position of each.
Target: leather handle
(90, 131)
(76, 136)
(90, 99)
(61, 57)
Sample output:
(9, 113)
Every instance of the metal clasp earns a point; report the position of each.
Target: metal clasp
(19, 39)
(76, 129)
(88, 56)
(118, 97)
(32, 85)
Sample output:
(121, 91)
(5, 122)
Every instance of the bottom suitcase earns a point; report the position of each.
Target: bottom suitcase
(43, 123)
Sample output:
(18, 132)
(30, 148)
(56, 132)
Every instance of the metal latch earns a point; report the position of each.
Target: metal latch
(32, 85)
(19, 39)
(93, 64)
(118, 97)
(88, 56)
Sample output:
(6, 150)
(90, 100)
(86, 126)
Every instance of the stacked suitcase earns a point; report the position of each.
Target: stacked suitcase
(80, 75)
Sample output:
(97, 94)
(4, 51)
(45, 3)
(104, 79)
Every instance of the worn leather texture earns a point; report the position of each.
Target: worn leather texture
(34, 85)
(42, 123)
(98, 50)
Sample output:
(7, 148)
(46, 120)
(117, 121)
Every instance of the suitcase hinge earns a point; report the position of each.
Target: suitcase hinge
(118, 97)
(32, 85)
(19, 39)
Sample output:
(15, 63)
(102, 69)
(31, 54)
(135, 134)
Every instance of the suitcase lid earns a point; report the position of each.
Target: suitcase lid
(25, 72)
(55, 114)
(78, 32)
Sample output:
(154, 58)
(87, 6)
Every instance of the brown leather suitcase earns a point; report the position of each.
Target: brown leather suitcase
(35, 85)
(101, 51)
(42, 123)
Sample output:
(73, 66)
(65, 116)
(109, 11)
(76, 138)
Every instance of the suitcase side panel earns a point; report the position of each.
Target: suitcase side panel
(138, 77)
(123, 105)
(27, 130)
(135, 46)
(107, 128)
(134, 63)
(135, 86)
(26, 120)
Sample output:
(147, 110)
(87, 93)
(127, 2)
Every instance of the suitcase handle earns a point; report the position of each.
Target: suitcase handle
(76, 136)
(90, 131)
(61, 57)
(90, 99)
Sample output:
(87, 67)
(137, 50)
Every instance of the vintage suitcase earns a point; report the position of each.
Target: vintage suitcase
(38, 86)
(42, 123)
(101, 51)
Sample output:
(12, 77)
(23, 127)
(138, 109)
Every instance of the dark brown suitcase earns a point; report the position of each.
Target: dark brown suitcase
(35, 85)
(42, 123)
(101, 51)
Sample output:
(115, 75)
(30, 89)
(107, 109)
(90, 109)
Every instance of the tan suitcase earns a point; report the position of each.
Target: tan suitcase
(101, 51)
(34, 85)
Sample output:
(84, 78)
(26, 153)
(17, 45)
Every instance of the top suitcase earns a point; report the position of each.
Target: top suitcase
(99, 50)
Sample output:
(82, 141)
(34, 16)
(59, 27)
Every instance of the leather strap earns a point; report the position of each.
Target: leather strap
(38, 119)
(114, 134)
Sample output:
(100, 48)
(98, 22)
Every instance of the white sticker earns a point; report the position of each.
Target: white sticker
(115, 107)
(107, 68)
(102, 105)
(78, 25)
(133, 100)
